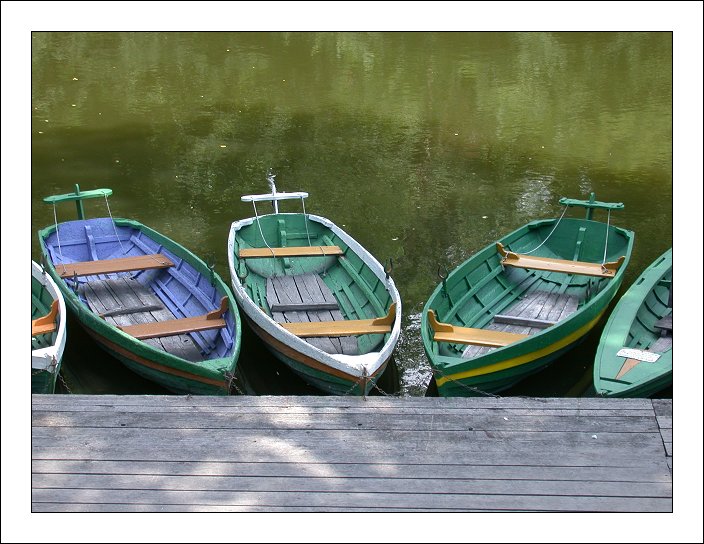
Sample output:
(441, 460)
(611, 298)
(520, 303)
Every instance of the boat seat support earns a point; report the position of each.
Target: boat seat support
(46, 323)
(444, 332)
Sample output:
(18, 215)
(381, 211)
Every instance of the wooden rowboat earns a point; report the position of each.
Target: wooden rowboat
(634, 357)
(518, 304)
(321, 303)
(145, 299)
(48, 330)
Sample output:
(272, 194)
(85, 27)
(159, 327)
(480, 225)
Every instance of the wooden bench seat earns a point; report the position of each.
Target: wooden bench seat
(444, 332)
(46, 323)
(349, 327)
(172, 327)
(107, 266)
(607, 270)
(292, 251)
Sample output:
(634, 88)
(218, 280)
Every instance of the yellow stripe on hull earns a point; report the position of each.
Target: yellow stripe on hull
(522, 359)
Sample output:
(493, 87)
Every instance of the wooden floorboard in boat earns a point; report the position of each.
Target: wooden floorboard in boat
(538, 304)
(303, 289)
(294, 454)
(123, 298)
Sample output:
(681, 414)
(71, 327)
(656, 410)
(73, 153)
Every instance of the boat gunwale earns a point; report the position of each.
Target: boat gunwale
(42, 357)
(355, 365)
(206, 367)
(626, 311)
(588, 314)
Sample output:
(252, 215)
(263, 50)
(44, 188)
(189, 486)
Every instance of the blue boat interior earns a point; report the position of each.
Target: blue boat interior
(181, 289)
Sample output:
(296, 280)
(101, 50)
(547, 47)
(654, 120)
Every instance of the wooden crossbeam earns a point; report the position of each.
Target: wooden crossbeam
(46, 323)
(350, 327)
(607, 270)
(107, 266)
(292, 251)
(523, 321)
(444, 332)
(303, 306)
(172, 327)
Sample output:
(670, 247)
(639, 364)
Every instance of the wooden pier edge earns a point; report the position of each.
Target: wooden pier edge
(142, 453)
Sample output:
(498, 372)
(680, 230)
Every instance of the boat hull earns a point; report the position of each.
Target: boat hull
(631, 325)
(193, 289)
(358, 281)
(481, 288)
(310, 370)
(47, 349)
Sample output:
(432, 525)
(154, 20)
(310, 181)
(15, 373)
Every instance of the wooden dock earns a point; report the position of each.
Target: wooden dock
(104, 453)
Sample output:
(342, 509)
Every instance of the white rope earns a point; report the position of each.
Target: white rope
(113, 224)
(548, 236)
(58, 239)
(305, 219)
(606, 242)
(260, 229)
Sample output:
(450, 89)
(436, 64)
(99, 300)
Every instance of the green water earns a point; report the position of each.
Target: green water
(424, 146)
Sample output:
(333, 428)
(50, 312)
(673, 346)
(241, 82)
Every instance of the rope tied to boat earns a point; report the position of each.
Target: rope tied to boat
(546, 238)
(256, 215)
(114, 228)
(58, 238)
(305, 219)
(606, 242)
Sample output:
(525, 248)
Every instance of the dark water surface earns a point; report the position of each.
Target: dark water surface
(425, 147)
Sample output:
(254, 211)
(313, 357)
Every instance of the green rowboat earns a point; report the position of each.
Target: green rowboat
(634, 357)
(146, 300)
(48, 330)
(518, 304)
(321, 303)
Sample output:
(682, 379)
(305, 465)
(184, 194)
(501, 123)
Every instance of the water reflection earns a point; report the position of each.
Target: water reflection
(425, 147)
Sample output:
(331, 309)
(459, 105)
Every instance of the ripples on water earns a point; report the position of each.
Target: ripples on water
(424, 146)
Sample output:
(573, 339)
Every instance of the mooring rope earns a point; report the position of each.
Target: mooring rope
(256, 215)
(113, 223)
(548, 236)
(305, 219)
(606, 242)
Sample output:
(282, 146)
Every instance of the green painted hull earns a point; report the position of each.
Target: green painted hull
(481, 287)
(44, 381)
(210, 376)
(321, 379)
(356, 280)
(632, 325)
(47, 349)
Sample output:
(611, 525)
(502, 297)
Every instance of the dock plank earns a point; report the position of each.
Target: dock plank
(261, 501)
(324, 454)
(488, 420)
(421, 471)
